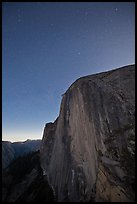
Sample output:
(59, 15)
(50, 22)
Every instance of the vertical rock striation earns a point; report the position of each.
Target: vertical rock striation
(88, 152)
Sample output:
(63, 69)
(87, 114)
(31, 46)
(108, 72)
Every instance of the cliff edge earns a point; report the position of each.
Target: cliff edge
(88, 153)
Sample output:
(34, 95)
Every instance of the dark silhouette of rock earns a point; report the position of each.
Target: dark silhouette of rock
(11, 151)
(88, 153)
(8, 153)
(23, 181)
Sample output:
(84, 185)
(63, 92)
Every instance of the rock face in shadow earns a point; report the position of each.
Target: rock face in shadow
(23, 181)
(88, 153)
(8, 153)
(11, 151)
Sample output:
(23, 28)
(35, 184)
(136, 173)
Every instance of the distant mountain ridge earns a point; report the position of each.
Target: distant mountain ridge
(12, 150)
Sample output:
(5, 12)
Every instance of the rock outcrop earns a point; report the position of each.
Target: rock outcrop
(88, 152)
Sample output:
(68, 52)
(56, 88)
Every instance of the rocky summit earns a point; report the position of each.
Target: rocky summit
(88, 153)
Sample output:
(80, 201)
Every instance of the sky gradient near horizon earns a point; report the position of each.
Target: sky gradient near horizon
(47, 46)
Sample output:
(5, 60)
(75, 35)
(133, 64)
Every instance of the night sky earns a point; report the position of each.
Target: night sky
(47, 46)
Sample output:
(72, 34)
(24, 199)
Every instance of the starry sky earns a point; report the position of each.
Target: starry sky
(47, 46)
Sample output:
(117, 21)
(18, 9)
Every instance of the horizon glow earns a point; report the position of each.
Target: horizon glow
(46, 46)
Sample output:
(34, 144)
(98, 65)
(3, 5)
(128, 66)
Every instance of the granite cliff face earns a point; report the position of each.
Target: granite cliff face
(88, 153)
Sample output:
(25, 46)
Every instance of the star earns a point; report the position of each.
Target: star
(79, 53)
(18, 16)
(110, 20)
(19, 20)
(116, 9)
(86, 13)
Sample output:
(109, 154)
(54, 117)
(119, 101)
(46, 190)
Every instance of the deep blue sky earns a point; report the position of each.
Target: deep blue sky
(47, 46)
